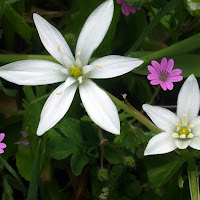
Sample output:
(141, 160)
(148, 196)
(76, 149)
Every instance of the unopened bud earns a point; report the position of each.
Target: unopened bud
(180, 181)
(103, 174)
(129, 161)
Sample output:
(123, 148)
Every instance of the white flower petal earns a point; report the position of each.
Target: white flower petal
(99, 107)
(94, 30)
(196, 126)
(55, 107)
(161, 117)
(189, 99)
(87, 68)
(182, 143)
(53, 41)
(159, 144)
(33, 72)
(195, 143)
(112, 66)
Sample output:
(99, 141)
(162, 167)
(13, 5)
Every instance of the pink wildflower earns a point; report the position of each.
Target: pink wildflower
(127, 9)
(2, 145)
(163, 74)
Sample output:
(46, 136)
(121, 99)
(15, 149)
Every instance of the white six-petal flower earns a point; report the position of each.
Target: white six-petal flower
(75, 72)
(179, 131)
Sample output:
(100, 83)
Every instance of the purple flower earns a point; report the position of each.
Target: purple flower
(163, 74)
(127, 9)
(23, 143)
(2, 145)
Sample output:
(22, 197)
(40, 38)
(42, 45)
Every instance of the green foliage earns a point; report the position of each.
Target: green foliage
(66, 165)
(161, 168)
(17, 25)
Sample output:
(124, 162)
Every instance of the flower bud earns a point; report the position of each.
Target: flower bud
(103, 174)
(129, 161)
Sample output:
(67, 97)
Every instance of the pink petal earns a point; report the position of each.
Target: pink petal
(152, 77)
(120, 1)
(2, 145)
(155, 82)
(175, 72)
(163, 85)
(155, 64)
(125, 9)
(1, 151)
(164, 63)
(170, 85)
(2, 135)
(139, 8)
(175, 78)
(133, 10)
(153, 70)
(170, 65)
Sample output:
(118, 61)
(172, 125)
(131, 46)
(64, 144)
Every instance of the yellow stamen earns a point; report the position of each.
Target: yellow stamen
(56, 69)
(190, 135)
(175, 135)
(59, 48)
(59, 93)
(178, 125)
(99, 66)
(182, 136)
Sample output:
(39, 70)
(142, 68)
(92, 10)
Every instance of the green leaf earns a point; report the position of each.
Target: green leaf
(71, 129)
(8, 191)
(24, 162)
(8, 92)
(18, 24)
(33, 186)
(12, 171)
(161, 168)
(78, 161)
(112, 156)
(59, 147)
(126, 139)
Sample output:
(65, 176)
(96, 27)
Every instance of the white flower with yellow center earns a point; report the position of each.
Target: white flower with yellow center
(181, 130)
(75, 72)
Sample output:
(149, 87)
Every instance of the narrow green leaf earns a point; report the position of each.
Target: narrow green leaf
(193, 183)
(18, 24)
(12, 171)
(7, 189)
(33, 186)
(171, 5)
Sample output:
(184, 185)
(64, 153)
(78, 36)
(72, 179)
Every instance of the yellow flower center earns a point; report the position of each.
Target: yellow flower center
(75, 71)
(183, 131)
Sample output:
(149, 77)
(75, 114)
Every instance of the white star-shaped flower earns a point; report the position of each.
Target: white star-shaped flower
(75, 72)
(181, 130)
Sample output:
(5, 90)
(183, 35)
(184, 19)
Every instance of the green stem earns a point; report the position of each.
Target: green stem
(193, 183)
(154, 95)
(171, 5)
(135, 113)
(192, 174)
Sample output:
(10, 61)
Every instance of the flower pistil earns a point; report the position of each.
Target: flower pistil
(183, 131)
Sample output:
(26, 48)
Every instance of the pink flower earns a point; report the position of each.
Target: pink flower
(163, 74)
(2, 145)
(127, 9)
